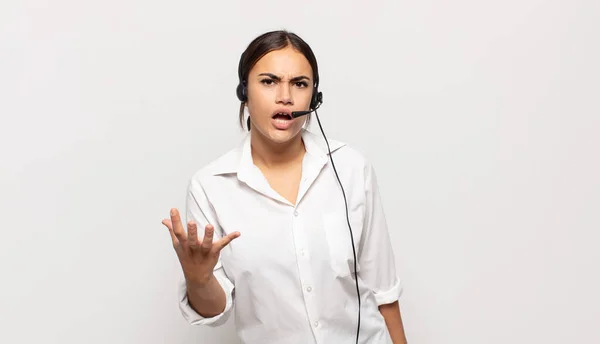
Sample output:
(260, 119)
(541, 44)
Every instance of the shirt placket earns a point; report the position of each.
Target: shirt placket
(305, 271)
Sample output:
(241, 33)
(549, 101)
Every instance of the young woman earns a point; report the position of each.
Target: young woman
(270, 230)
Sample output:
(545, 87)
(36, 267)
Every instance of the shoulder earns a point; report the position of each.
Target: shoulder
(348, 155)
(225, 164)
(351, 155)
(352, 158)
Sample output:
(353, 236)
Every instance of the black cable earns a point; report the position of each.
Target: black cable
(348, 220)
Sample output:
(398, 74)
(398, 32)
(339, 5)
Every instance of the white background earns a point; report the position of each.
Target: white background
(481, 118)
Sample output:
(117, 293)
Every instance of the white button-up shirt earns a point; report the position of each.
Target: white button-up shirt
(289, 277)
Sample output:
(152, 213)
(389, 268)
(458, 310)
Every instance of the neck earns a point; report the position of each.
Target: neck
(271, 155)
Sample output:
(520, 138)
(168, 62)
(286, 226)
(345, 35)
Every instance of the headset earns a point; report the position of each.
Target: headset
(315, 103)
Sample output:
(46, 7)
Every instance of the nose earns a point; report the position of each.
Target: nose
(284, 94)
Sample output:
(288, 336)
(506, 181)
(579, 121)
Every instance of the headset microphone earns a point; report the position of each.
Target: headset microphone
(296, 114)
(314, 104)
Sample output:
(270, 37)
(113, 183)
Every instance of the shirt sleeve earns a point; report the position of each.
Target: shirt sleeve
(199, 210)
(377, 262)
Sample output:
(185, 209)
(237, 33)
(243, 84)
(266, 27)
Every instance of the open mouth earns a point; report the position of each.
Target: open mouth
(282, 116)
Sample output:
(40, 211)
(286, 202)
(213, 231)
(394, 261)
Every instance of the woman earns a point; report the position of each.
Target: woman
(274, 237)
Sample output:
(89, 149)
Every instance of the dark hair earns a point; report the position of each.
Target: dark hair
(264, 44)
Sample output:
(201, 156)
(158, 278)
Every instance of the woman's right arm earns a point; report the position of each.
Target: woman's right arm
(207, 300)
(198, 259)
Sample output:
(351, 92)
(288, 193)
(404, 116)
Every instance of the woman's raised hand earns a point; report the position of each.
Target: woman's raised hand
(197, 258)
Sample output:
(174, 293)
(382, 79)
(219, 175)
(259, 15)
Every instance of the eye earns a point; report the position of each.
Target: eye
(301, 84)
(267, 81)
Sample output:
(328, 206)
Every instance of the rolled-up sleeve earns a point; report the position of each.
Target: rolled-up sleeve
(377, 262)
(193, 318)
(199, 210)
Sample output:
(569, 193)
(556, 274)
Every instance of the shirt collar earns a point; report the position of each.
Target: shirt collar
(239, 160)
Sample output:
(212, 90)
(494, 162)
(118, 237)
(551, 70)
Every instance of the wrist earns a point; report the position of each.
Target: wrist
(200, 283)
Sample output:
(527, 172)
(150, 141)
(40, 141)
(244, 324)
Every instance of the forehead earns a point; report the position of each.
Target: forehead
(284, 62)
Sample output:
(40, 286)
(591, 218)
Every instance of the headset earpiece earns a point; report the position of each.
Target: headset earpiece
(242, 92)
(317, 99)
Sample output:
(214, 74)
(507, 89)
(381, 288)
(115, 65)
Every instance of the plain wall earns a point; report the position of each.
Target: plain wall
(481, 118)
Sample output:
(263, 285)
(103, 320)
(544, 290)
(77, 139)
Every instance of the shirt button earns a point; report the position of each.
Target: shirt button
(296, 213)
(316, 324)
(308, 289)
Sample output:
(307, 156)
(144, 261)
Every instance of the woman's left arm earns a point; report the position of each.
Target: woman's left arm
(376, 259)
(393, 320)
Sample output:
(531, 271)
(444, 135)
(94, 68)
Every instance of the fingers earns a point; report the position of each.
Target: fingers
(193, 242)
(207, 242)
(219, 245)
(177, 226)
(179, 236)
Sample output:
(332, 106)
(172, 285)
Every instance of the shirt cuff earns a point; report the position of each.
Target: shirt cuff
(193, 318)
(391, 295)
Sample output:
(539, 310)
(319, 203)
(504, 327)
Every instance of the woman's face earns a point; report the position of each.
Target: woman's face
(279, 83)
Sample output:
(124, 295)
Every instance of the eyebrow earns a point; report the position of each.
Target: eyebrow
(294, 79)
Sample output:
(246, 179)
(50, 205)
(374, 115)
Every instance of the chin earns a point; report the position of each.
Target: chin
(279, 136)
(283, 136)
